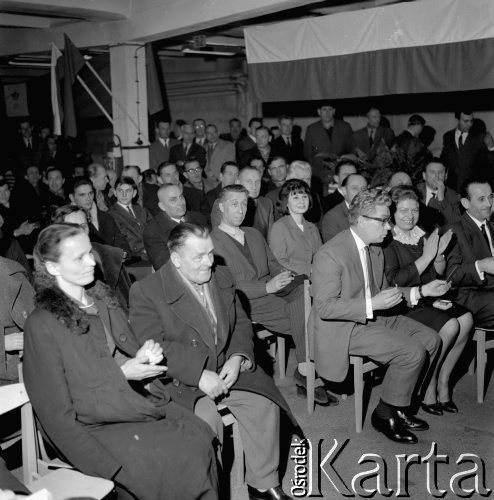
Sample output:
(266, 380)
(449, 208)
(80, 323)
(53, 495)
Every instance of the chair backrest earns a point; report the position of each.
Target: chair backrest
(12, 396)
(309, 321)
(15, 396)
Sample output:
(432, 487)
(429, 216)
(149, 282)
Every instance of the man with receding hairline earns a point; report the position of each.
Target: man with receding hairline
(173, 211)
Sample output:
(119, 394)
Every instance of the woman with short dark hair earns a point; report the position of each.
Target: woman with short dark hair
(412, 258)
(95, 390)
(292, 239)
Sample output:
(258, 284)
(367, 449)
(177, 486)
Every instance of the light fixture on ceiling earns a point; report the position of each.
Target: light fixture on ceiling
(187, 50)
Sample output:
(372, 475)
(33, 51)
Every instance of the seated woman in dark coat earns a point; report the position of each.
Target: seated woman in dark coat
(85, 375)
(413, 259)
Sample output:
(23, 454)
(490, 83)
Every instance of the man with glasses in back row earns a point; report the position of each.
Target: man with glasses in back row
(354, 315)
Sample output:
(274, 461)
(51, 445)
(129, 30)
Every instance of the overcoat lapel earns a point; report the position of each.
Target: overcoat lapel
(179, 298)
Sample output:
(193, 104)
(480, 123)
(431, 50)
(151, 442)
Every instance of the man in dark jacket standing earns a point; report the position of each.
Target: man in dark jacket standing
(192, 310)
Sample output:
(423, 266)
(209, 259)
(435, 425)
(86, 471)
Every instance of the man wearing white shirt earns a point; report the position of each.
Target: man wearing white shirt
(465, 153)
(353, 306)
(159, 151)
(470, 263)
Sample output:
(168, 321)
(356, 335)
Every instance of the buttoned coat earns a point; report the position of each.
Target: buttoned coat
(293, 248)
(16, 302)
(93, 416)
(339, 300)
(163, 308)
(131, 227)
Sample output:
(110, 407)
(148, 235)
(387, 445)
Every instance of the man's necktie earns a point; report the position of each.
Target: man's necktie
(131, 212)
(460, 141)
(210, 151)
(330, 133)
(28, 146)
(486, 238)
(288, 141)
(371, 138)
(374, 289)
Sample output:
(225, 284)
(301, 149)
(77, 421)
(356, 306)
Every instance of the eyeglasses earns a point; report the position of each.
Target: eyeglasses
(197, 170)
(386, 220)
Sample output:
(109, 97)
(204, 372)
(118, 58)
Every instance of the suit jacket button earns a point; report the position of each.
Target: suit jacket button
(194, 343)
(176, 382)
(123, 338)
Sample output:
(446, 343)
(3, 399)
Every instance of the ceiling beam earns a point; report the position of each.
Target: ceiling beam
(22, 21)
(101, 10)
(151, 20)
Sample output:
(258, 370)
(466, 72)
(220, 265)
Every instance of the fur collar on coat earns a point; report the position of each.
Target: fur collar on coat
(50, 298)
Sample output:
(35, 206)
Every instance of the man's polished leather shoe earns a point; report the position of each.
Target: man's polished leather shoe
(411, 422)
(393, 429)
(448, 406)
(432, 409)
(275, 493)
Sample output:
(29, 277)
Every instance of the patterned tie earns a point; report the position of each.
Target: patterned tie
(486, 238)
(131, 212)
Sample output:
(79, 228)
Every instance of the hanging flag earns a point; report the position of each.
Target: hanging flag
(155, 101)
(73, 61)
(56, 76)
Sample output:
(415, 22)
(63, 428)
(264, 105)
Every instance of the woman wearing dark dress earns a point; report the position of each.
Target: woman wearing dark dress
(95, 390)
(413, 259)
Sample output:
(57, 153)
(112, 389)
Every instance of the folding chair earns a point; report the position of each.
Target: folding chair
(61, 483)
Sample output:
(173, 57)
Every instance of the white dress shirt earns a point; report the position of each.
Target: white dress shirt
(365, 268)
(479, 224)
(414, 291)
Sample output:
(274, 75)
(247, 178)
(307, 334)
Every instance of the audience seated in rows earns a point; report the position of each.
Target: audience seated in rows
(270, 293)
(78, 340)
(189, 295)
